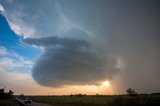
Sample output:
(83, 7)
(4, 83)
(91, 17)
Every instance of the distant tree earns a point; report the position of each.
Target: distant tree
(2, 94)
(131, 92)
(84, 95)
(79, 95)
(71, 95)
(21, 96)
(97, 94)
(10, 93)
(2, 90)
(5, 95)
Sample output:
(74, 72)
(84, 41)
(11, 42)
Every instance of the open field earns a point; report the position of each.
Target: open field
(72, 101)
(140, 100)
(8, 102)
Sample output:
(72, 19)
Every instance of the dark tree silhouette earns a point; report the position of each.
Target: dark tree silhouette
(5, 95)
(10, 93)
(131, 92)
(21, 96)
(2, 94)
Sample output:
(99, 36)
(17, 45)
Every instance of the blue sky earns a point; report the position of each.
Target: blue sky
(11, 41)
(56, 42)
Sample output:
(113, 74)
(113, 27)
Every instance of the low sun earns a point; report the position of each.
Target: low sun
(106, 83)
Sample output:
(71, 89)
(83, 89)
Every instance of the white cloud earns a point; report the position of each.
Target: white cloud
(18, 25)
(1, 8)
(46, 19)
(3, 51)
(21, 29)
(11, 61)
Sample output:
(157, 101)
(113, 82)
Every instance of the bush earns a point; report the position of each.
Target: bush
(131, 92)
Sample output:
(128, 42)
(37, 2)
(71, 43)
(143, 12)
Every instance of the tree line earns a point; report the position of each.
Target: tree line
(6, 95)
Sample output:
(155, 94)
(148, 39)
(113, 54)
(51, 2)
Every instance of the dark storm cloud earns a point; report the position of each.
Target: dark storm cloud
(134, 35)
(53, 41)
(72, 62)
(128, 30)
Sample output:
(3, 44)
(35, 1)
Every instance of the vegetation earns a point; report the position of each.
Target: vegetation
(8, 102)
(6, 98)
(131, 92)
(139, 100)
(100, 100)
(72, 100)
(6, 95)
(130, 99)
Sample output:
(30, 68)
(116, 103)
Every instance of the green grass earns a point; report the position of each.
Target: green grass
(72, 101)
(7, 102)
(147, 100)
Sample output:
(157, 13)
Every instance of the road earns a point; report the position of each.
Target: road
(31, 104)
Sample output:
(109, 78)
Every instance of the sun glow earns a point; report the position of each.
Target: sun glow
(106, 83)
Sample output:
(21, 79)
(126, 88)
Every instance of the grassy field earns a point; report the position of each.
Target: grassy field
(72, 101)
(8, 102)
(141, 100)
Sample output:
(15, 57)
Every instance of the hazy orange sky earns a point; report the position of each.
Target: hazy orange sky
(24, 83)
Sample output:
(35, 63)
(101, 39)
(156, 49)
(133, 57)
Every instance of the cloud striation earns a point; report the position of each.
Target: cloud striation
(68, 61)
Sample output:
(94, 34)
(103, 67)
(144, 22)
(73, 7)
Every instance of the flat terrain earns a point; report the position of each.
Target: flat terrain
(8, 102)
(72, 101)
(31, 104)
(84, 100)
(140, 100)
(37, 104)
